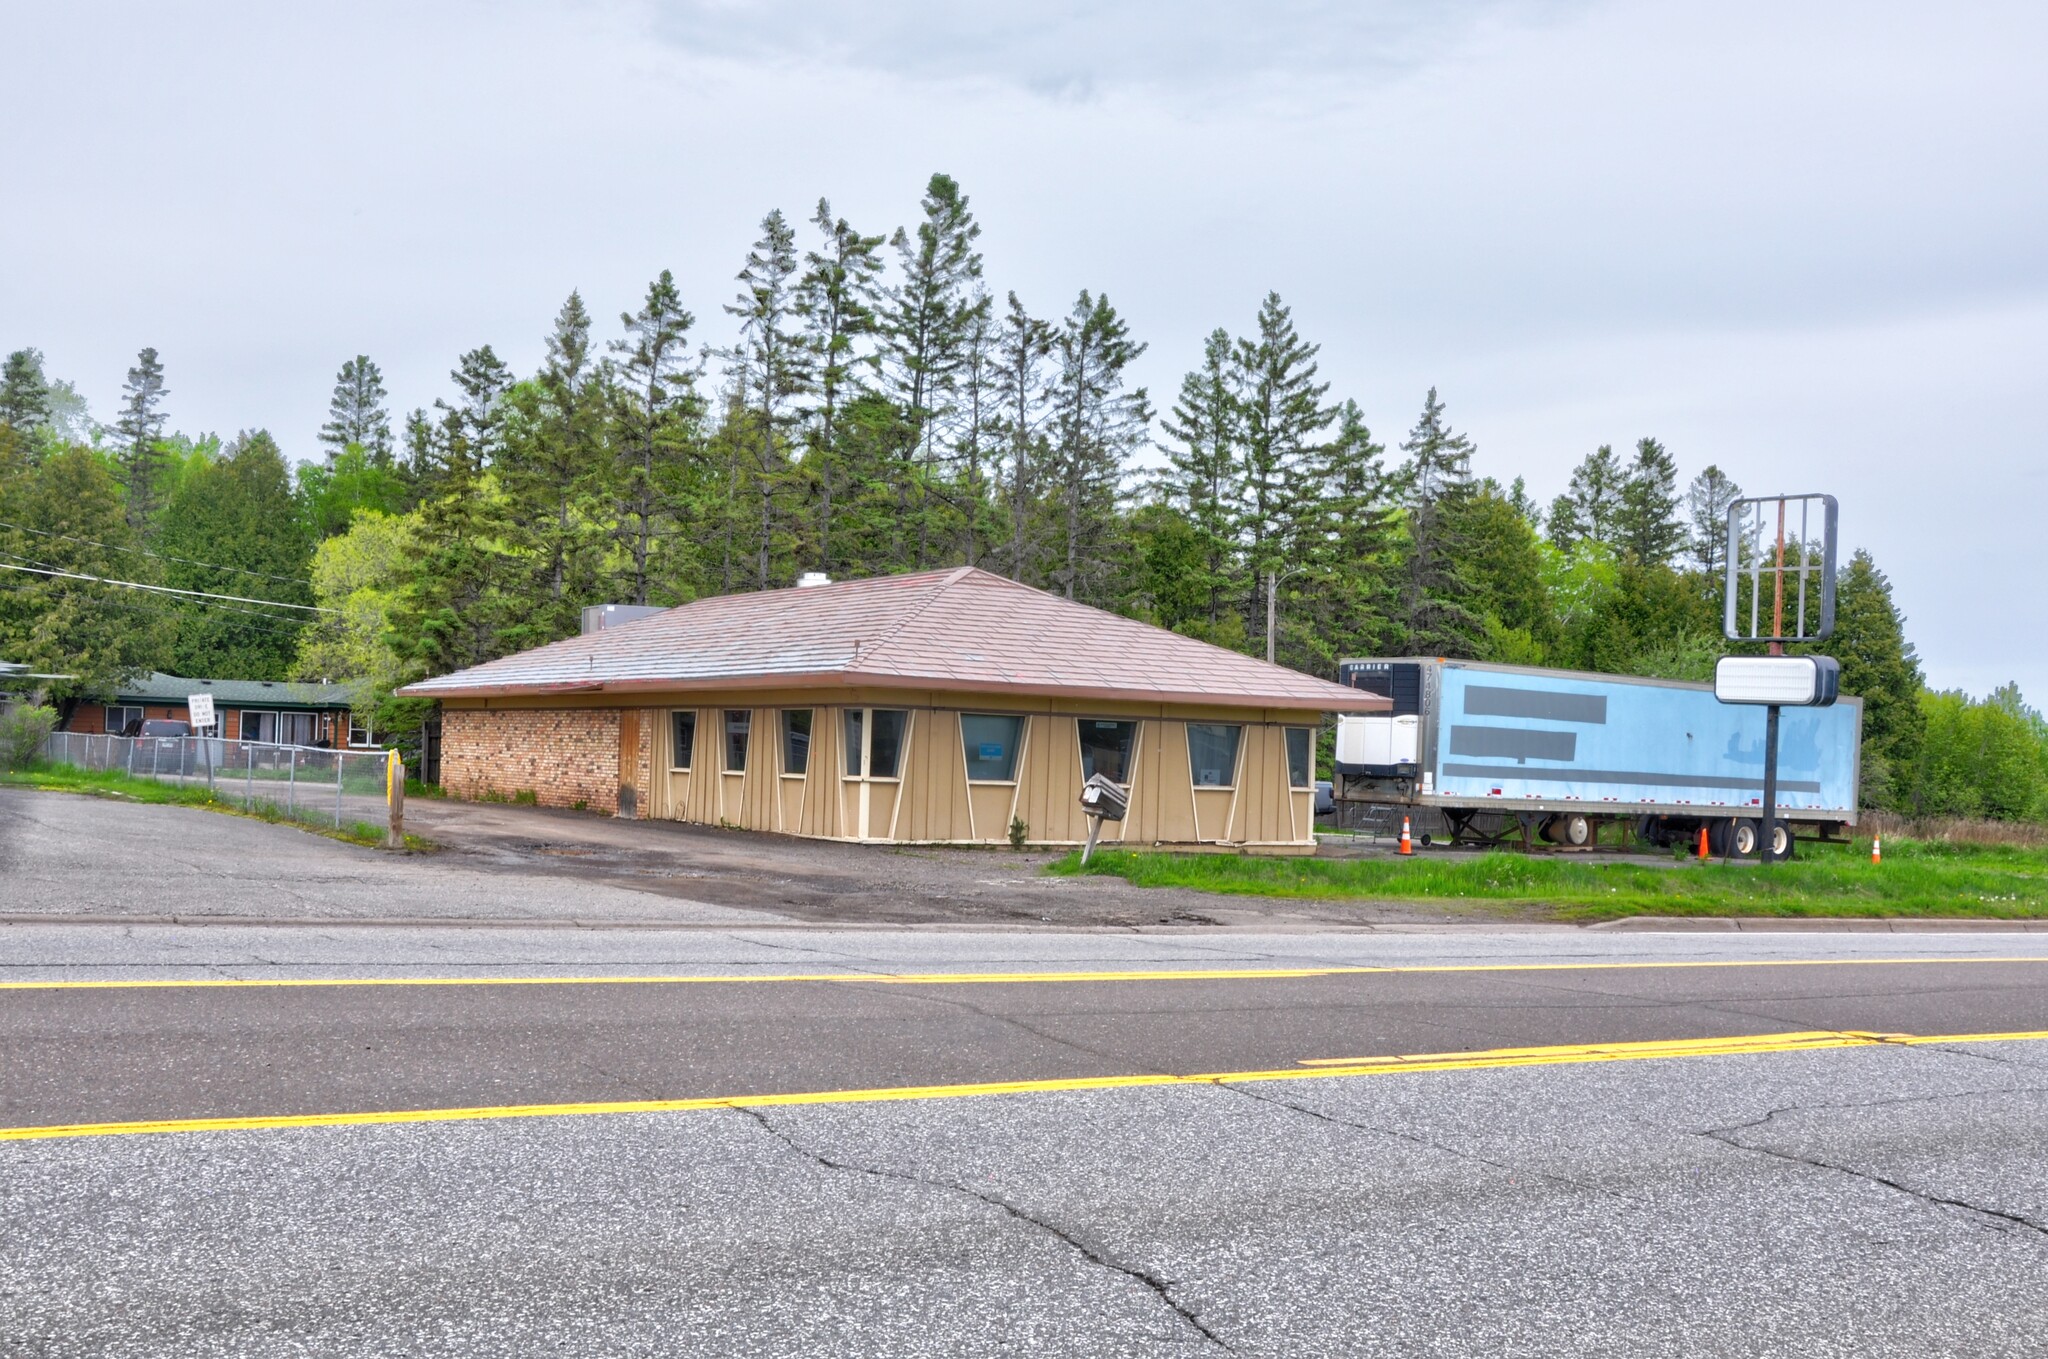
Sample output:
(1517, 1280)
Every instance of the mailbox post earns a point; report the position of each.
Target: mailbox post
(1103, 800)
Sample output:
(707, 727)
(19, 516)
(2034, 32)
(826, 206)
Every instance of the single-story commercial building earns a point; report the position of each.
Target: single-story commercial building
(937, 708)
(274, 712)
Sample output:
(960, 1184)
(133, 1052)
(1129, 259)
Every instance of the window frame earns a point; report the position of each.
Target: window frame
(107, 724)
(1308, 737)
(1236, 755)
(1019, 723)
(242, 726)
(810, 716)
(677, 719)
(864, 719)
(1137, 726)
(745, 733)
(369, 734)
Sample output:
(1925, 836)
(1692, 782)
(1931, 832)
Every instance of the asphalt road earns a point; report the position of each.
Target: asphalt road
(1821, 1195)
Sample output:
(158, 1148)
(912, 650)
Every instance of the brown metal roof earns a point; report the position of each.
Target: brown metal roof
(961, 629)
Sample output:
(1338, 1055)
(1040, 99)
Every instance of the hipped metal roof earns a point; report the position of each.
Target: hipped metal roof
(962, 629)
(157, 687)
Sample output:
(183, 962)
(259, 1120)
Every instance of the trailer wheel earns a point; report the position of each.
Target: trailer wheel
(1783, 844)
(1747, 836)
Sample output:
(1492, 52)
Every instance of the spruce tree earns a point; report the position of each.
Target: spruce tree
(1023, 344)
(1098, 425)
(1706, 512)
(472, 425)
(356, 416)
(1204, 477)
(925, 322)
(658, 407)
(1437, 597)
(1350, 601)
(553, 470)
(1282, 411)
(24, 392)
(141, 430)
(836, 298)
(1881, 667)
(773, 366)
(1646, 524)
(1591, 506)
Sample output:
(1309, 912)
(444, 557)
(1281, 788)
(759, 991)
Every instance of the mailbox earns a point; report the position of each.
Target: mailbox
(1102, 797)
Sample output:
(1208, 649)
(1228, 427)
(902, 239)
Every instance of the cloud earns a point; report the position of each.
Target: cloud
(1072, 49)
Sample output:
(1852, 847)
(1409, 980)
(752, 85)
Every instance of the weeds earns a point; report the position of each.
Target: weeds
(1917, 878)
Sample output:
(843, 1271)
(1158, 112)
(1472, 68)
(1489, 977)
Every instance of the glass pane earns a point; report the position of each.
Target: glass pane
(796, 740)
(738, 722)
(1106, 749)
(1212, 753)
(991, 744)
(682, 734)
(259, 727)
(853, 724)
(1300, 769)
(887, 747)
(295, 729)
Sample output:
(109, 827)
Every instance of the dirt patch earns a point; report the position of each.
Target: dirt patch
(825, 882)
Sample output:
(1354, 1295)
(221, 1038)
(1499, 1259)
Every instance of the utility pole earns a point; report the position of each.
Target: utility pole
(1272, 591)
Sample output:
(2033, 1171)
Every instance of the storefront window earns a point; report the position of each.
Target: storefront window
(682, 734)
(738, 723)
(1106, 749)
(991, 744)
(1301, 768)
(796, 740)
(885, 751)
(1212, 753)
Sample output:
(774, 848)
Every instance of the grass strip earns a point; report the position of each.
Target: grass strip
(112, 783)
(1917, 878)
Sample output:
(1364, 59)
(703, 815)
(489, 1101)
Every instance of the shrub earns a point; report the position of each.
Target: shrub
(1018, 831)
(22, 730)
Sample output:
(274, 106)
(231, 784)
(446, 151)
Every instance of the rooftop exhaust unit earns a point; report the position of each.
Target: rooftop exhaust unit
(598, 617)
(810, 578)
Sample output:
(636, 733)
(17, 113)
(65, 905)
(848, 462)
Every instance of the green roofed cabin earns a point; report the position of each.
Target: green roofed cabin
(275, 712)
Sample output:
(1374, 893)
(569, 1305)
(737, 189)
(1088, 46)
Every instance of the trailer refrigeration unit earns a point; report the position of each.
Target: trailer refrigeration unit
(1507, 752)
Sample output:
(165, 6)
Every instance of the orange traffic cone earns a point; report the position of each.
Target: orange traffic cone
(1876, 850)
(1703, 844)
(1407, 847)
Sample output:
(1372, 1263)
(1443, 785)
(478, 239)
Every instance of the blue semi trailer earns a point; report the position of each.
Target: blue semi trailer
(1514, 753)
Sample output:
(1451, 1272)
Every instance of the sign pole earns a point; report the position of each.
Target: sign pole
(1770, 818)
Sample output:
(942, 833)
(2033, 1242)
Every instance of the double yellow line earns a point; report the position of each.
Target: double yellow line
(1811, 1040)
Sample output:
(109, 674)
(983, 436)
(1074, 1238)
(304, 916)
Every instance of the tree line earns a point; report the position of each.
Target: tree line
(879, 408)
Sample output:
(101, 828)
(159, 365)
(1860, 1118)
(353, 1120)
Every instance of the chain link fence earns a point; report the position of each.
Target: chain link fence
(303, 783)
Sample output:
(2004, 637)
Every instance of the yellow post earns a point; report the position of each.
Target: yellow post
(394, 799)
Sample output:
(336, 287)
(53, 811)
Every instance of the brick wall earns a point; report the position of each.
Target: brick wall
(563, 755)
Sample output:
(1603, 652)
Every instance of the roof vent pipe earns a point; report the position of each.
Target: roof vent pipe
(810, 578)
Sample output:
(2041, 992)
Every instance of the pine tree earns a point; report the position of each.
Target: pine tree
(1205, 477)
(925, 323)
(553, 470)
(977, 418)
(774, 369)
(1282, 411)
(836, 297)
(141, 430)
(1706, 511)
(1351, 599)
(472, 426)
(1023, 345)
(1591, 507)
(1437, 613)
(1517, 495)
(230, 528)
(1646, 524)
(356, 416)
(657, 409)
(24, 392)
(1879, 666)
(1097, 426)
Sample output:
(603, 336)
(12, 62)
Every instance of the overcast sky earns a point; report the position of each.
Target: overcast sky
(1804, 241)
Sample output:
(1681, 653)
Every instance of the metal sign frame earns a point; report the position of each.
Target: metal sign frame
(1757, 554)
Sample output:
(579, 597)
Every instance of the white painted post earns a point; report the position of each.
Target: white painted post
(291, 783)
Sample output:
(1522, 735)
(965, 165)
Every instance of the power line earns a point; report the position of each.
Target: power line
(163, 589)
(160, 556)
(269, 622)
